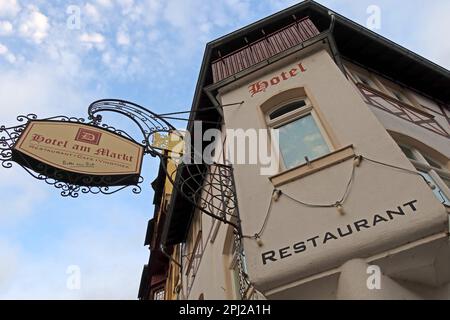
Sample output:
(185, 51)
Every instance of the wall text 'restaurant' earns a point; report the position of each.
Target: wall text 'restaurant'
(341, 232)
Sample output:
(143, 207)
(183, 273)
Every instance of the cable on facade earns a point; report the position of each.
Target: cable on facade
(169, 116)
(276, 194)
(429, 183)
(201, 110)
(257, 236)
(190, 120)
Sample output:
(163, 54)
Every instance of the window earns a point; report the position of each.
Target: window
(301, 137)
(432, 162)
(436, 190)
(408, 152)
(365, 80)
(435, 173)
(159, 294)
(447, 182)
(400, 96)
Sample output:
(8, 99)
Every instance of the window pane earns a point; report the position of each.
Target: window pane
(408, 152)
(437, 191)
(447, 181)
(432, 163)
(288, 108)
(299, 139)
(159, 295)
(365, 80)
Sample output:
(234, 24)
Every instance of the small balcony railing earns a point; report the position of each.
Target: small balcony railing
(401, 109)
(263, 49)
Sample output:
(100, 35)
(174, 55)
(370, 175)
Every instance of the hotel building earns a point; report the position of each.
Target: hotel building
(357, 206)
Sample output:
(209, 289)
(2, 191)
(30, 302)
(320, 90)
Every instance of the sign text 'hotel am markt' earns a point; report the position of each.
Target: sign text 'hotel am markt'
(76, 148)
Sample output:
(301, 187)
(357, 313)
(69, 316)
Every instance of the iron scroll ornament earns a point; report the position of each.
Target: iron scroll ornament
(148, 122)
(210, 188)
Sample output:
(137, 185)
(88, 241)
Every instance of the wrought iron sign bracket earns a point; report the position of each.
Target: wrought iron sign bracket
(210, 188)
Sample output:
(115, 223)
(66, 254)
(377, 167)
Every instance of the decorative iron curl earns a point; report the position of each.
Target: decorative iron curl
(148, 122)
(74, 190)
(208, 187)
(9, 137)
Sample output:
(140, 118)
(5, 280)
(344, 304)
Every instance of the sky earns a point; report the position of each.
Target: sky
(148, 52)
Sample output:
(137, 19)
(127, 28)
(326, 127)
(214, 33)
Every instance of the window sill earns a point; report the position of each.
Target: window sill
(315, 165)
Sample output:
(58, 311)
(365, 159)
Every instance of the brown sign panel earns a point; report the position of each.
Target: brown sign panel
(79, 153)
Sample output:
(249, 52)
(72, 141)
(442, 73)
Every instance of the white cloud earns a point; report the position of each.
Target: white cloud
(34, 25)
(91, 11)
(9, 8)
(6, 28)
(104, 3)
(44, 90)
(92, 38)
(123, 39)
(126, 4)
(4, 51)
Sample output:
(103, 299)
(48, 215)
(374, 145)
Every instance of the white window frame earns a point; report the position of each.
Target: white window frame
(365, 78)
(394, 91)
(292, 116)
(159, 293)
(437, 174)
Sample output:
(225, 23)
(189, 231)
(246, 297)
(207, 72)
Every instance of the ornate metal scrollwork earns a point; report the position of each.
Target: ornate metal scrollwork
(8, 138)
(147, 121)
(208, 187)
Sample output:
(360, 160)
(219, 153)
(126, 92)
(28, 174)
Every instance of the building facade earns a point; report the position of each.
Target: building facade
(354, 200)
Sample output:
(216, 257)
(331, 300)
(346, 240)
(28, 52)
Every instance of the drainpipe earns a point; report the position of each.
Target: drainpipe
(332, 43)
(333, 20)
(214, 101)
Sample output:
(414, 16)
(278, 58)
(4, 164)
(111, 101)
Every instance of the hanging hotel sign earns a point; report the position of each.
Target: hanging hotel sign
(69, 151)
(79, 156)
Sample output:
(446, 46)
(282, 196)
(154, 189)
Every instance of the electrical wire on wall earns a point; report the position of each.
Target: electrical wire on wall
(171, 115)
(277, 193)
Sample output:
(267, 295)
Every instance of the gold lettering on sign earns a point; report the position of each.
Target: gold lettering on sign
(80, 148)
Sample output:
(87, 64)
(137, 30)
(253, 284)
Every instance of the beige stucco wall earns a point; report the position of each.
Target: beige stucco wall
(214, 278)
(375, 189)
(211, 278)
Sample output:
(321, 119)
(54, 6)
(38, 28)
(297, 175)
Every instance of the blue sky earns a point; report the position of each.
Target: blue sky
(146, 51)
